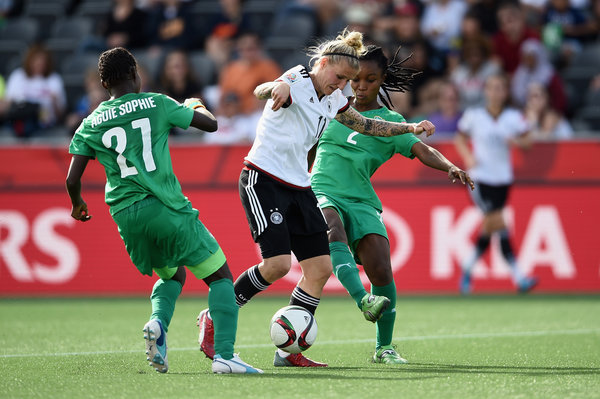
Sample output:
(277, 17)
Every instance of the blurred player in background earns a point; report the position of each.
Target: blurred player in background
(128, 134)
(492, 130)
(281, 209)
(344, 164)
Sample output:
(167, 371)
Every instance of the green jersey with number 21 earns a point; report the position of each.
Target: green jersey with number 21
(129, 137)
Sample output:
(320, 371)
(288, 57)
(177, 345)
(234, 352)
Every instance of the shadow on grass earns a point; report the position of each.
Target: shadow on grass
(486, 369)
(322, 374)
(403, 372)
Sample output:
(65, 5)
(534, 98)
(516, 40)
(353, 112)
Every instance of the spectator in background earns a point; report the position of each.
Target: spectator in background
(417, 103)
(512, 33)
(595, 18)
(485, 12)
(397, 24)
(534, 12)
(251, 68)
(441, 23)
(177, 78)
(124, 25)
(475, 67)
(222, 30)
(94, 95)
(470, 29)
(536, 67)
(36, 93)
(592, 97)
(446, 116)
(545, 122)
(359, 17)
(402, 28)
(170, 25)
(235, 127)
(569, 27)
(10, 8)
(324, 12)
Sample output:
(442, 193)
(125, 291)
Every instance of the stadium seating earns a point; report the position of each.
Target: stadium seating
(66, 35)
(15, 36)
(203, 67)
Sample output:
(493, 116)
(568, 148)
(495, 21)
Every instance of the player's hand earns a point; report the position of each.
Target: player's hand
(193, 103)
(80, 212)
(424, 126)
(280, 94)
(457, 173)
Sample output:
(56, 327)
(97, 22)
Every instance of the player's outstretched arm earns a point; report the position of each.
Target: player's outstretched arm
(375, 127)
(79, 209)
(203, 119)
(434, 159)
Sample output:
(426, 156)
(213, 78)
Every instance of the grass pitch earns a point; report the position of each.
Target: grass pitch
(475, 347)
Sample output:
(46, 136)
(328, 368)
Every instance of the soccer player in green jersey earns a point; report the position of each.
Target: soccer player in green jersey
(162, 233)
(345, 162)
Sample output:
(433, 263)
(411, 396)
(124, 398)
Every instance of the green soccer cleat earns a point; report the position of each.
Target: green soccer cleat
(388, 355)
(373, 306)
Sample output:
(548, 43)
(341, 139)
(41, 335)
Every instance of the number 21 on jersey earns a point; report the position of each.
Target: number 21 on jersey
(121, 136)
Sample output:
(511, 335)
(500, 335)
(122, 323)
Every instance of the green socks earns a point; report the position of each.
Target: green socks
(344, 268)
(385, 325)
(163, 298)
(224, 313)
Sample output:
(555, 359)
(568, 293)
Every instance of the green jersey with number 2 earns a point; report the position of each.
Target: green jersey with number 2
(129, 137)
(346, 159)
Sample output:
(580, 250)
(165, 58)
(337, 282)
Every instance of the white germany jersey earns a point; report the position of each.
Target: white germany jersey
(284, 137)
(490, 138)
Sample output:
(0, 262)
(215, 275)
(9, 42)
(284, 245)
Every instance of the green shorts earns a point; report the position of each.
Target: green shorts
(157, 236)
(359, 219)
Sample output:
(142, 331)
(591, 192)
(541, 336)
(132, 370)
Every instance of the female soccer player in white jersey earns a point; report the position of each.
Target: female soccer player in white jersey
(492, 130)
(281, 209)
(341, 180)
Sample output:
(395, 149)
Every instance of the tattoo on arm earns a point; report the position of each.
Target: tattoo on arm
(263, 91)
(372, 127)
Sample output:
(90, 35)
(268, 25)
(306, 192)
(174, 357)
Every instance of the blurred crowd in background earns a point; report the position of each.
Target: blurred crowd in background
(220, 50)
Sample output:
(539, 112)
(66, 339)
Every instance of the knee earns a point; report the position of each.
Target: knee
(180, 276)
(336, 233)
(320, 273)
(380, 274)
(274, 269)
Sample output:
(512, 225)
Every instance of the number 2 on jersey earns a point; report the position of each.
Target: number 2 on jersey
(121, 136)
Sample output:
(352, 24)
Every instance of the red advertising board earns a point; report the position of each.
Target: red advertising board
(431, 225)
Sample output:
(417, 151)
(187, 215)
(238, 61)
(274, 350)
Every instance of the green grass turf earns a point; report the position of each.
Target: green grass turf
(475, 347)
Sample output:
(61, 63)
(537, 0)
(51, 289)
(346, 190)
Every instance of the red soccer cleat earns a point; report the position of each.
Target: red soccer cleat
(206, 336)
(295, 360)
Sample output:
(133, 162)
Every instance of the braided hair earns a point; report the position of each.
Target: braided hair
(116, 65)
(397, 78)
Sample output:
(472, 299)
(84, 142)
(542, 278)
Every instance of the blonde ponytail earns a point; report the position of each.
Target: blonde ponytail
(348, 46)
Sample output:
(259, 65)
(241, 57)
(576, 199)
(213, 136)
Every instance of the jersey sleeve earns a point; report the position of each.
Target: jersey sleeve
(465, 122)
(341, 102)
(521, 126)
(177, 114)
(404, 142)
(78, 146)
(293, 77)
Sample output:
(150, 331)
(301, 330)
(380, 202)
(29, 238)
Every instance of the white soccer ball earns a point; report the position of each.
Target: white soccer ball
(293, 329)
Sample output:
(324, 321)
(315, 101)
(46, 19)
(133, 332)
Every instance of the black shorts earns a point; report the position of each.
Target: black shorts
(490, 198)
(282, 219)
